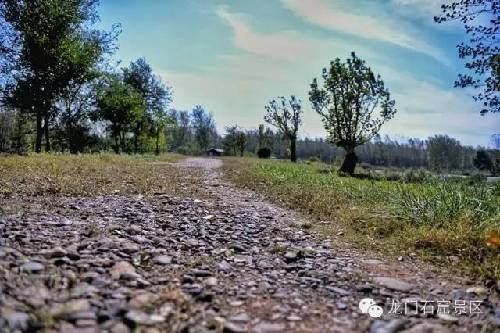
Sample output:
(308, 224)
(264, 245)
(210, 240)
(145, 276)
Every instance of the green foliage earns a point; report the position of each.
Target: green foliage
(481, 22)
(445, 153)
(353, 104)
(234, 141)
(48, 47)
(203, 124)
(122, 106)
(156, 96)
(286, 115)
(483, 161)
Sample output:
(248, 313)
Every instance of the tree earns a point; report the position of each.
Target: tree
(230, 140)
(121, 106)
(482, 22)
(286, 115)
(73, 110)
(241, 142)
(483, 161)
(160, 121)
(181, 132)
(265, 137)
(235, 140)
(445, 153)
(156, 95)
(47, 45)
(204, 127)
(353, 104)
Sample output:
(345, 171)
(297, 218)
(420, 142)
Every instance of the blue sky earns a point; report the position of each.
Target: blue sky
(233, 56)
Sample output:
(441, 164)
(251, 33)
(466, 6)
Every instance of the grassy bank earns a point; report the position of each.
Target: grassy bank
(86, 175)
(443, 221)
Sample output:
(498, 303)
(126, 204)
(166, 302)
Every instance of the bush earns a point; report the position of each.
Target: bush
(264, 153)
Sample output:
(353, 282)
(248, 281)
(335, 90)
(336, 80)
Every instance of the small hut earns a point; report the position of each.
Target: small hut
(215, 152)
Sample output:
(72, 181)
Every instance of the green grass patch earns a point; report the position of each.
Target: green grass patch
(434, 218)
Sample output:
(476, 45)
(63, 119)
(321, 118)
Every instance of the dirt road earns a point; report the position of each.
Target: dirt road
(217, 259)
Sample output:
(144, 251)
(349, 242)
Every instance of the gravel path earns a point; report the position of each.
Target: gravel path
(219, 260)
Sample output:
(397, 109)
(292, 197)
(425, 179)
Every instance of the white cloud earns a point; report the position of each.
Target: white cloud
(286, 45)
(382, 29)
(425, 109)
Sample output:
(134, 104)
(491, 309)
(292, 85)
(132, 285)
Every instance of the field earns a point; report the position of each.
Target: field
(446, 222)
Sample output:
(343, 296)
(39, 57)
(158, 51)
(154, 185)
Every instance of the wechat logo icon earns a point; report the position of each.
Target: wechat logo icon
(368, 305)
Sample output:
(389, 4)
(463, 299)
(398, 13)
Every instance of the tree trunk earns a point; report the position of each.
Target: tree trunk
(349, 163)
(116, 146)
(38, 142)
(46, 133)
(293, 149)
(137, 132)
(19, 138)
(157, 142)
(69, 130)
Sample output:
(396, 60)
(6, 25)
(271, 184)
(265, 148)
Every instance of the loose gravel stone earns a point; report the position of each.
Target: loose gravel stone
(32, 267)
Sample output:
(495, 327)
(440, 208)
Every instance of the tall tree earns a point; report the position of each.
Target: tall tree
(181, 133)
(445, 153)
(121, 106)
(229, 142)
(235, 140)
(353, 104)
(481, 19)
(241, 142)
(203, 124)
(156, 95)
(45, 43)
(286, 115)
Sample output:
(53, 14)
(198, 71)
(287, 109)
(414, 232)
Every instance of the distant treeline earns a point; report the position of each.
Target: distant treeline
(193, 132)
(438, 153)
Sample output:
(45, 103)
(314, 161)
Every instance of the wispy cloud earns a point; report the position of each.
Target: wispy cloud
(286, 45)
(320, 13)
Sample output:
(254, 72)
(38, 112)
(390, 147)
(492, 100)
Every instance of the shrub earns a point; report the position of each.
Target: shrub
(264, 153)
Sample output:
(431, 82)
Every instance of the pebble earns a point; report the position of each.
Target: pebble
(122, 267)
(240, 318)
(477, 290)
(393, 283)
(265, 327)
(18, 321)
(200, 273)
(162, 260)
(32, 267)
(233, 328)
(392, 326)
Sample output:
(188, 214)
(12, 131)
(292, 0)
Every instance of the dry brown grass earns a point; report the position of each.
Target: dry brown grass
(87, 175)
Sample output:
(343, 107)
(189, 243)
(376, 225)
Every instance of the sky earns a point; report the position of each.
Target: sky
(234, 56)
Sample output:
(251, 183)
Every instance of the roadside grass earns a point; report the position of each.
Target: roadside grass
(87, 175)
(447, 222)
